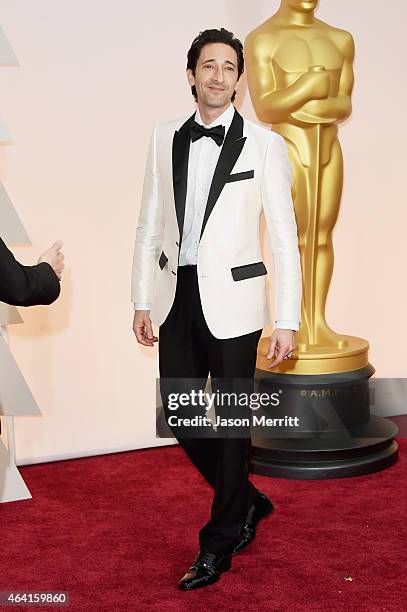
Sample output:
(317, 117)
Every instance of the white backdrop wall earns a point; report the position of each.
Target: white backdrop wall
(94, 78)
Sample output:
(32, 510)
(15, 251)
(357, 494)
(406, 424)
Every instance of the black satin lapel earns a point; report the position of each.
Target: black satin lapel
(232, 147)
(180, 154)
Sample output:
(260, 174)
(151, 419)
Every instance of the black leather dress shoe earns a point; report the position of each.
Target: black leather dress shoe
(261, 508)
(205, 570)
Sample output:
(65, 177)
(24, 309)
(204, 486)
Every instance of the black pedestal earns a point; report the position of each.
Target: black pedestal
(337, 435)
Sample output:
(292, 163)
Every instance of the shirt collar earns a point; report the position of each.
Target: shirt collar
(224, 119)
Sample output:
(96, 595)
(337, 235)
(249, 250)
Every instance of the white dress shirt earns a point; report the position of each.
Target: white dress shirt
(203, 157)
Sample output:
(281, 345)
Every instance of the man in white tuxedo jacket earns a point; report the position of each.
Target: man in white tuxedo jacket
(198, 273)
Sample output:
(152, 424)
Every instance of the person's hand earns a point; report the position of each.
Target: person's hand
(281, 344)
(143, 328)
(55, 258)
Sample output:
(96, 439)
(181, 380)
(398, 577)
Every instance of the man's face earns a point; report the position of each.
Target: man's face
(303, 6)
(215, 75)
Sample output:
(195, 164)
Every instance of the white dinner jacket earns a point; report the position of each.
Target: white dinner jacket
(253, 175)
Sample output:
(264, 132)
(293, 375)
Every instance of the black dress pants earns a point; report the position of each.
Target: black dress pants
(187, 349)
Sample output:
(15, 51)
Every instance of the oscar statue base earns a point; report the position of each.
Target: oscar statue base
(336, 437)
(335, 353)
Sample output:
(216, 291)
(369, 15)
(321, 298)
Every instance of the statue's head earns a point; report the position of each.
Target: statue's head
(214, 66)
(303, 6)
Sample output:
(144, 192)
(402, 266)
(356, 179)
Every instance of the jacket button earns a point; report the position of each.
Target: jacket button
(176, 243)
(173, 272)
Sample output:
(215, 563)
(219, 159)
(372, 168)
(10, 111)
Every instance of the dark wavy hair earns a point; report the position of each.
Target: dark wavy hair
(214, 36)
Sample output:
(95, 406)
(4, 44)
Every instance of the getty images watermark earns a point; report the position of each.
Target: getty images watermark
(230, 408)
(210, 401)
(341, 407)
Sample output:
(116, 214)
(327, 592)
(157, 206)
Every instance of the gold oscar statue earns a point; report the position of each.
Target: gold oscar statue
(300, 79)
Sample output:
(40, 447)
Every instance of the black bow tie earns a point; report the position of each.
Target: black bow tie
(217, 133)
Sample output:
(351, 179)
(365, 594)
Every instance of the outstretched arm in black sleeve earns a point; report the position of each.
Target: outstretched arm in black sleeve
(26, 285)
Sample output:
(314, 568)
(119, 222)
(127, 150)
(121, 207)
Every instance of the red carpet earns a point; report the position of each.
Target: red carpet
(117, 531)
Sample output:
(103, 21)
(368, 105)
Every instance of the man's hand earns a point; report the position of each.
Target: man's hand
(281, 343)
(143, 329)
(55, 258)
